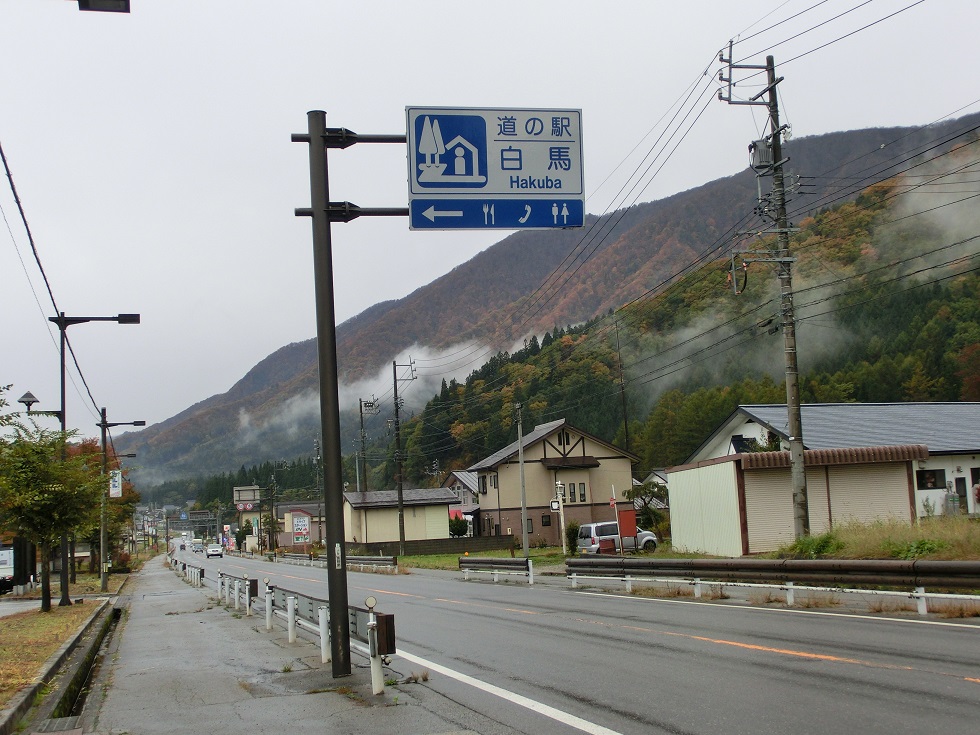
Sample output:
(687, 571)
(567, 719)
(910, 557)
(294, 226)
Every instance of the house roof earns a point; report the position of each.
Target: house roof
(466, 478)
(945, 428)
(389, 498)
(538, 434)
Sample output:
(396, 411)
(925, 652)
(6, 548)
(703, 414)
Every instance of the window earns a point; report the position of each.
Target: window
(530, 525)
(581, 492)
(546, 519)
(930, 479)
(571, 492)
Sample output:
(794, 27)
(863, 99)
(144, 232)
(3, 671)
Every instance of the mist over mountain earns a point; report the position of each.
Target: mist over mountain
(527, 284)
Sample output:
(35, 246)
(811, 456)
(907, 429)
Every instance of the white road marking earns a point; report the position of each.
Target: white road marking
(522, 701)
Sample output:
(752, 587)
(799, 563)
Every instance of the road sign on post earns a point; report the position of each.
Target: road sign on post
(474, 169)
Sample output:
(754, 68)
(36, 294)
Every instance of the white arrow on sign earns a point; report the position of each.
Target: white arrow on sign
(431, 213)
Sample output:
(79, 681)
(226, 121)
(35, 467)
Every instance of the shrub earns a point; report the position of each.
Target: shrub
(571, 536)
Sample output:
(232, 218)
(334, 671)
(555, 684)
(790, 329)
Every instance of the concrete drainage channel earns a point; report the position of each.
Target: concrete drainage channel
(68, 678)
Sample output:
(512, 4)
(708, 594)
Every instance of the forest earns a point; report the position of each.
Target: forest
(887, 310)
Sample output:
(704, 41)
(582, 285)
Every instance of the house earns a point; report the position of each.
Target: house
(370, 517)
(863, 462)
(589, 474)
(464, 485)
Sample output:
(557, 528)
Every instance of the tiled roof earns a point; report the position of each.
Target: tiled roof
(540, 432)
(857, 455)
(467, 479)
(946, 428)
(389, 498)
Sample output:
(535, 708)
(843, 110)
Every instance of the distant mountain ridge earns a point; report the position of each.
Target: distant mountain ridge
(272, 412)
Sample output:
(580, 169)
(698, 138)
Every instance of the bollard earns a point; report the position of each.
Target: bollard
(268, 609)
(324, 635)
(291, 613)
(238, 583)
(377, 675)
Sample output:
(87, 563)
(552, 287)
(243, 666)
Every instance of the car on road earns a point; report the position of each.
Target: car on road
(197, 548)
(215, 550)
(590, 534)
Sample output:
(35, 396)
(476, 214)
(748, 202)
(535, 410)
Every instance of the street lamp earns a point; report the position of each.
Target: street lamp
(104, 6)
(63, 323)
(560, 500)
(104, 425)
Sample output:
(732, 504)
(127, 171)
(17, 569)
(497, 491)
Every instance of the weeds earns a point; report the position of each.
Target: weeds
(955, 609)
(814, 601)
(286, 668)
(764, 598)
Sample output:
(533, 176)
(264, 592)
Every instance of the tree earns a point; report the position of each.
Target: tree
(42, 496)
(458, 526)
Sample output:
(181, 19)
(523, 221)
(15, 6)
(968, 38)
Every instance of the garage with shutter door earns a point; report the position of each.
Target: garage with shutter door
(862, 484)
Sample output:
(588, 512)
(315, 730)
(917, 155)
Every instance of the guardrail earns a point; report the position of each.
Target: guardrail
(836, 575)
(376, 630)
(496, 566)
(235, 589)
(381, 564)
(191, 572)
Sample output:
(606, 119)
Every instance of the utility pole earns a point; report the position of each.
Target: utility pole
(398, 454)
(768, 158)
(520, 462)
(371, 408)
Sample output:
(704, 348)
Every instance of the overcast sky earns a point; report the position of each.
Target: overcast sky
(152, 155)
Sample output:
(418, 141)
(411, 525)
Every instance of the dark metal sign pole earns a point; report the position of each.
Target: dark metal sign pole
(326, 333)
(323, 212)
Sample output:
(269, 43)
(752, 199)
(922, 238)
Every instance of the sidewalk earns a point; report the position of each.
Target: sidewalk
(180, 662)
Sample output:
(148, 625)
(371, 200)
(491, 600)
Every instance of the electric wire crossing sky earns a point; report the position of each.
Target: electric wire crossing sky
(494, 169)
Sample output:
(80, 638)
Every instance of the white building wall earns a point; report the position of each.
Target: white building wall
(866, 493)
(769, 509)
(704, 510)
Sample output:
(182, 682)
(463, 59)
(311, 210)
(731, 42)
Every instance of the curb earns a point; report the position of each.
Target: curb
(24, 701)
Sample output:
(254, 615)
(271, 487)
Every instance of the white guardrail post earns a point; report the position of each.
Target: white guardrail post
(268, 604)
(322, 612)
(291, 617)
(530, 571)
(238, 587)
(248, 596)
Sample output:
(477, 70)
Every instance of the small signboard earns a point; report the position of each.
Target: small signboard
(115, 484)
(512, 169)
(301, 528)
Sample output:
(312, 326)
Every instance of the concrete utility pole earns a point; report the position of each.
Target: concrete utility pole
(764, 165)
(398, 454)
(520, 461)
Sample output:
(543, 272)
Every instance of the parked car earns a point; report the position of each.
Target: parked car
(215, 550)
(590, 534)
(197, 548)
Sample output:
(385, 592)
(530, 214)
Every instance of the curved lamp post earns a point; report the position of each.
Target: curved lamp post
(104, 425)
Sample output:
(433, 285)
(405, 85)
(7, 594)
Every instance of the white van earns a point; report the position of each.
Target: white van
(589, 535)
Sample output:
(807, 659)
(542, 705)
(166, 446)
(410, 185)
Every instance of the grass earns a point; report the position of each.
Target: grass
(84, 584)
(940, 538)
(29, 639)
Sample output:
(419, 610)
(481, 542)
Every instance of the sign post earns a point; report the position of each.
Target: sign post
(494, 169)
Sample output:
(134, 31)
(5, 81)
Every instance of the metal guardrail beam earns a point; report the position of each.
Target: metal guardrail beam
(913, 573)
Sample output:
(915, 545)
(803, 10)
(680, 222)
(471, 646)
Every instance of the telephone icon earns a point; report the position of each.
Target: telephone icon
(527, 213)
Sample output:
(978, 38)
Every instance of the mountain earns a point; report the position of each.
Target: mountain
(527, 284)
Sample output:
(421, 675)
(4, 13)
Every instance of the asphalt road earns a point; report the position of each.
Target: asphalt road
(547, 659)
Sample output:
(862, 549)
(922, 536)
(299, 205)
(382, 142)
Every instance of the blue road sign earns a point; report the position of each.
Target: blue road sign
(495, 169)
